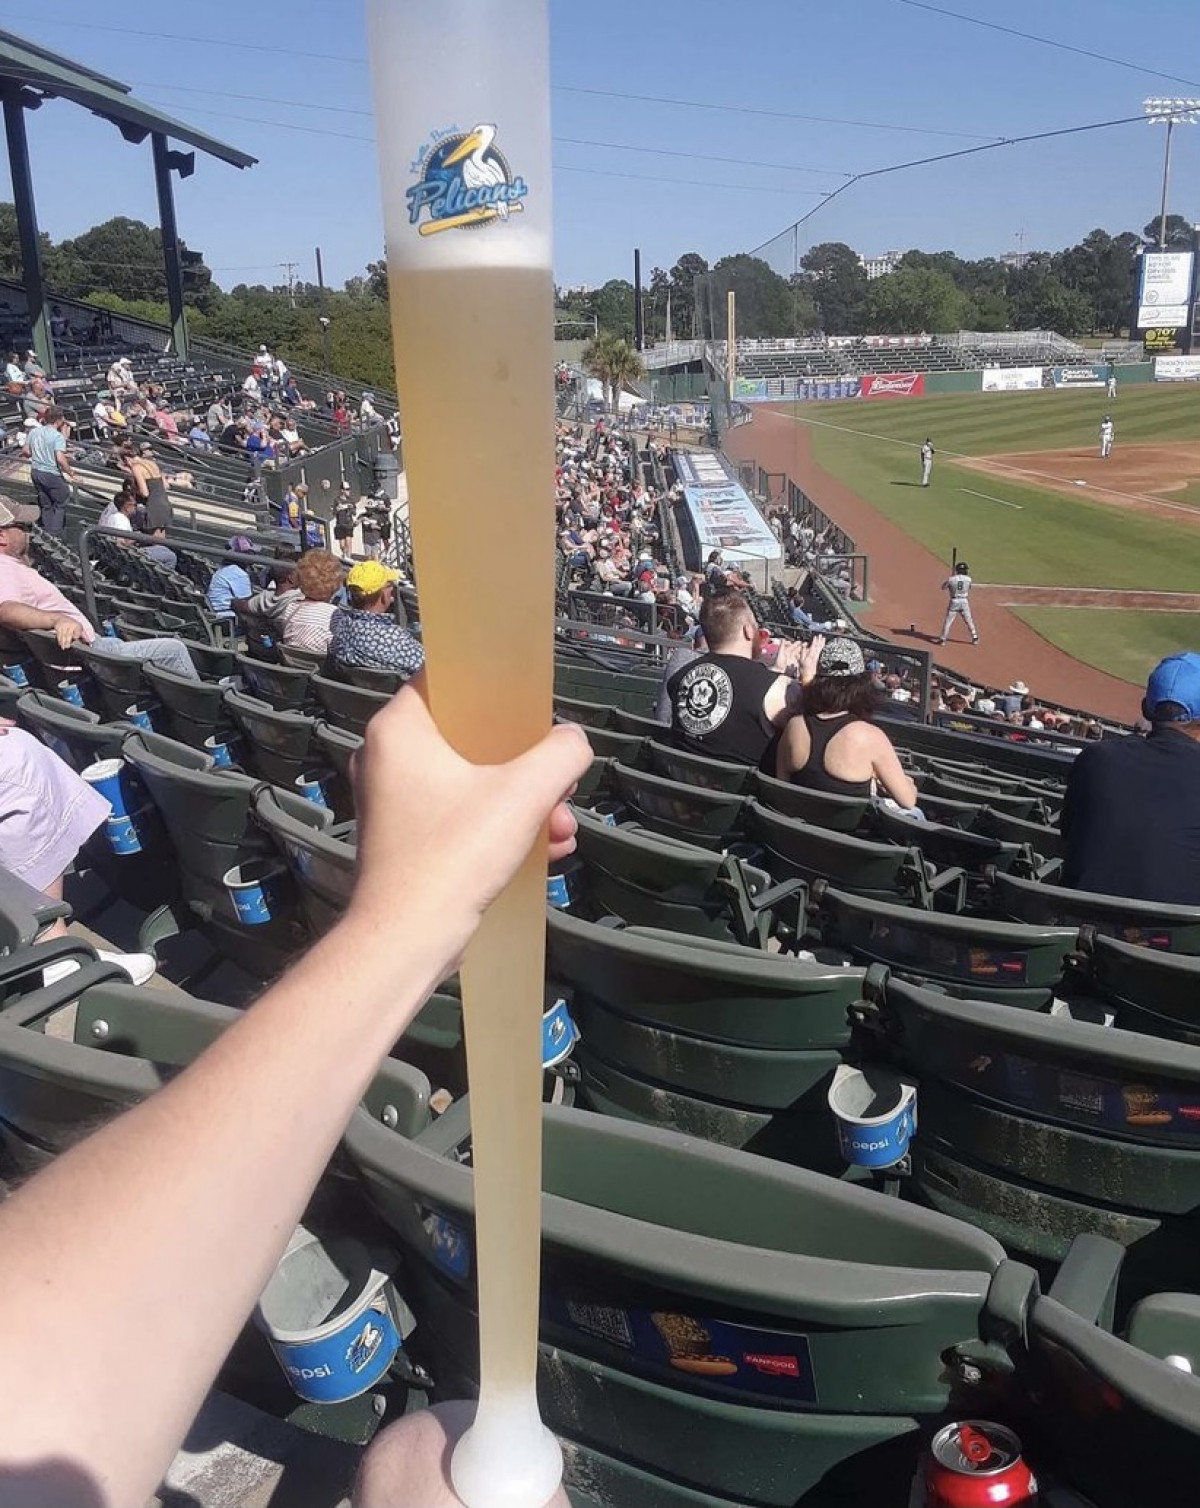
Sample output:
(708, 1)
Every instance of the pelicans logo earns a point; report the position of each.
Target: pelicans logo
(465, 181)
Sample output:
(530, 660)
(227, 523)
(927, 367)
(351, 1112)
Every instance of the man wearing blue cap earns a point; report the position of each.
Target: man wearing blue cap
(1131, 818)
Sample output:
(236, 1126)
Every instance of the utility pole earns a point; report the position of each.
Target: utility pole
(639, 321)
(290, 269)
(1021, 247)
(731, 339)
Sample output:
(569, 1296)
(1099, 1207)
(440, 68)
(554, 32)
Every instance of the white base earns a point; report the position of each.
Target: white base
(508, 1458)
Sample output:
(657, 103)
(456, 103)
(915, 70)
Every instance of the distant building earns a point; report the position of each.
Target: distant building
(579, 289)
(880, 266)
(1012, 259)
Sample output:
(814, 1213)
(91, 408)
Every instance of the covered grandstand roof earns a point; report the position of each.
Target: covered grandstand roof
(55, 77)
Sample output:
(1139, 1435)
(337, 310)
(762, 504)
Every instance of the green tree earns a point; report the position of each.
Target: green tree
(613, 307)
(685, 318)
(124, 257)
(377, 279)
(1100, 269)
(766, 303)
(612, 360)
(10, 246)
(913, 299)
(837, 283)
(1179, 233)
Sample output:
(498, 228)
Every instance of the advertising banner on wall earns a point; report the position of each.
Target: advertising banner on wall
(1177, 368)
(801, 389)
(1164, 297)
(1164, 340)
(1011, 379)
(1078, 376)
(894, 385)
(722, 515)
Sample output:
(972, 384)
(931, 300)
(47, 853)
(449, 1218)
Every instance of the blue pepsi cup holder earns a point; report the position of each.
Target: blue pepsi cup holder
(139, 717)
(110, 778)
(563, 883)
(332, 1318)
(255, 888)
(223, 751)
(311, 785)
(16, 674)
(559, 1034)
(875, 1112)
(70, 692)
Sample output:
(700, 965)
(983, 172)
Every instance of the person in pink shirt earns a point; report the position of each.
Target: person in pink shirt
(28, 600)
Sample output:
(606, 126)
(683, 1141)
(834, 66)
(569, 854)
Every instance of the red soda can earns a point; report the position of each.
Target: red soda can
(977, 1464)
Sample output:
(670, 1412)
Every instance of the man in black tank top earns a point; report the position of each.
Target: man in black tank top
(727, 704)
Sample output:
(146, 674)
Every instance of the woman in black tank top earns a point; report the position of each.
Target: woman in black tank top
(838, 707)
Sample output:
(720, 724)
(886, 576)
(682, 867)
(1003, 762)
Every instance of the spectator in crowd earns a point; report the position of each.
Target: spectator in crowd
(367, 415)
(149, 482)
(119, 510)
(120, 379)
(195, 1191)
(36, 398)
(50, 468)
(274, 604)
(160, 552)
(14, 375)
(58, 323)
(679, 657)
(32, 367)
(251, 390)
(309, 625)
(1131, 816)
(47, 814)
(366, 633)
(107, 417)
(343, 521)
(290, 436)
(727, 704)
(259, 448)
(27, 600)
(218, 418)
(230, 582)
(290, 393)
(198, 436)
(834, 746)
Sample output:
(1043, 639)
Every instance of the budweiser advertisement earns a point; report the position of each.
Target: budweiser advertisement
(894, 385)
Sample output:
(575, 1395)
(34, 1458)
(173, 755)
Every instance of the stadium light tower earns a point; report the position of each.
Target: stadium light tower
(1171, 113)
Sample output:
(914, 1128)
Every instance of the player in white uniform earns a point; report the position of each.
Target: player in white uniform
(958, 586)
(1110, 380)
(926, 461)
(1106, 437)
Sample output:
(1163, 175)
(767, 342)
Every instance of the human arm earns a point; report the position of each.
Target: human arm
(785, 695)
(889, 772)
(67, 630)
(793, 749)
(63, 457)
(178, 1211)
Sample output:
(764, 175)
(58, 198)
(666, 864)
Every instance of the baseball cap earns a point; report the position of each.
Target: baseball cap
(1175, 679)
(841, 657)
(369, 577)
(16, 513)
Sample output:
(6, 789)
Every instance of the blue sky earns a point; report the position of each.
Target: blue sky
(301, 68)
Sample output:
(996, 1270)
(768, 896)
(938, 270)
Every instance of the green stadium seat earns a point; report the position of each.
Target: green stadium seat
(627, 747)
(54, 664)
(695, 769)
(213, 662)
(1150, 991)
(840, 814)
(946, 847)
(1044, 841)
(1027, 806)
(881, 871)
(693, 814)
(658, 1247)
(347, 707)
(319, 856)
(124, 1044)
(586, 714)
(370, 678)
(279, 745)
(1173, 929)
(120, 682)
(209, 815)
(1040, 1128)
(624, 721)
(191, 711)
(718, 1040)
(1008, 962)
(74, 733)
(286, 690)
(651, 881)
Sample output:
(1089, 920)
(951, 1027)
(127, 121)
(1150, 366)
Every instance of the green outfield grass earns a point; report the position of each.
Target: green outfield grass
(1016, 533)
(1125, 644)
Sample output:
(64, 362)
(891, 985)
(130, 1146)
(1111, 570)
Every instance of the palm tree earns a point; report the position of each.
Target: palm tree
(614, 361)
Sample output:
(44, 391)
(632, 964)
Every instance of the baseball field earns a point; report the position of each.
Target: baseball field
(1089, 552)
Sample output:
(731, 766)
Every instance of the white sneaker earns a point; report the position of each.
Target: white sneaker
(139, 966)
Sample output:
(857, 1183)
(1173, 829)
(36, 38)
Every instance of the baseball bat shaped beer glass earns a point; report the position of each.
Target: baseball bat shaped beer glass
(462, 109)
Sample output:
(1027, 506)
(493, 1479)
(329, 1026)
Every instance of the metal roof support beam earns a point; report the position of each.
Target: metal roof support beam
(184, 163)
(16, 101)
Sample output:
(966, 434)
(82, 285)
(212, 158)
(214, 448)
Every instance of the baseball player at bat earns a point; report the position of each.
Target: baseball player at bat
(958, 587)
